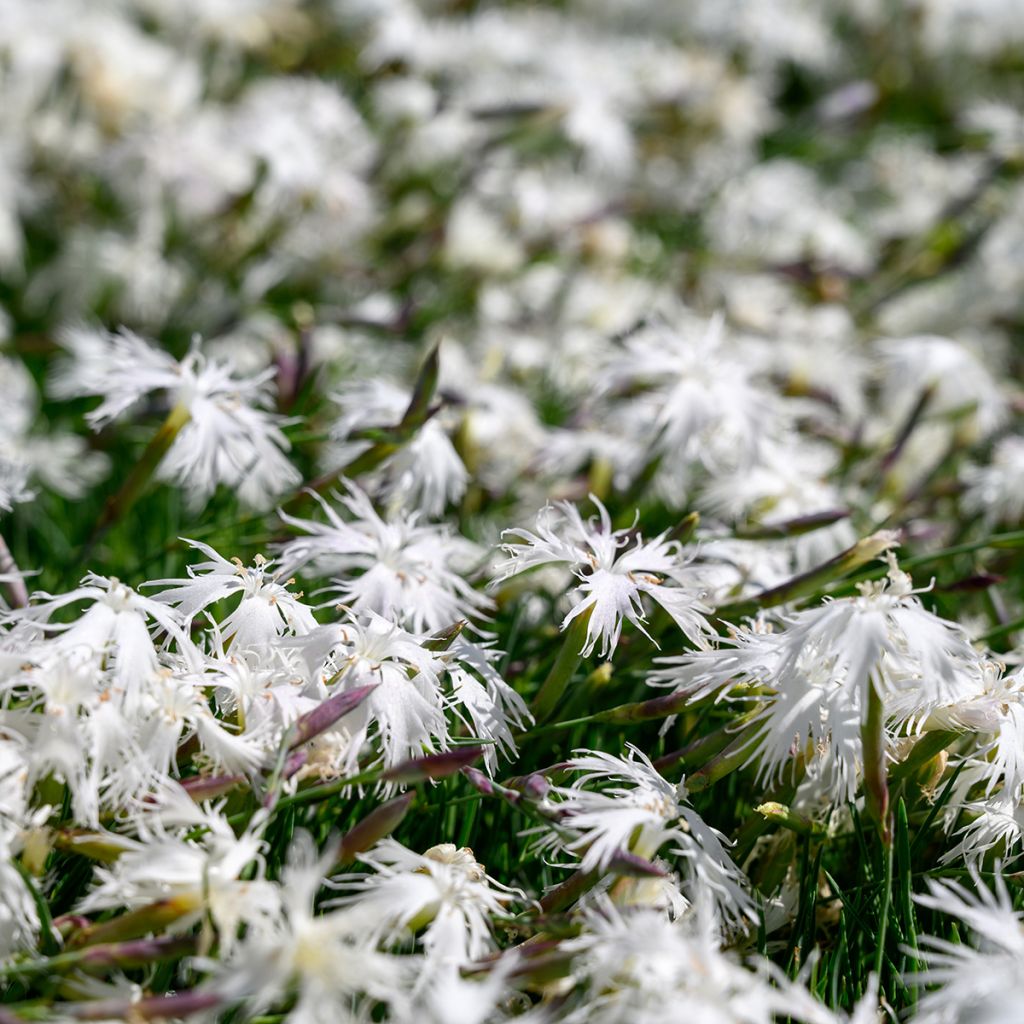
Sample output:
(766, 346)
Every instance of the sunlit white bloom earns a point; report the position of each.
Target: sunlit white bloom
(993, 823)
(977, 980)
(401, 568)
(115, 629)
(442, 893)
(407, 708)
(266, 608)
(994, 712)
(638, 965)
(612, 573)
(821, 667)
(226, 435)
(200, 875)
(329, 958)
(624, 804)
(76, 733)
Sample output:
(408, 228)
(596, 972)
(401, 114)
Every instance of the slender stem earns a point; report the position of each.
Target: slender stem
(876, 784)
(808, 583)
(141, 473)
(883, 924)
(565, 665)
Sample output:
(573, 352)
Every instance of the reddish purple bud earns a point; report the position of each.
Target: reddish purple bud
(479, 781)
(433, 766)
(380, 822)
(296, 759)
(180, 1004)
(322, 717)
(625, 863)
(209, 787)
(536, 787)
(136, 952)
(66, 924)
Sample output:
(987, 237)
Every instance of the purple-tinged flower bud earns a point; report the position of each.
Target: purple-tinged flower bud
(380, 822)
(322, 717)
(209, 787)
(433, 766)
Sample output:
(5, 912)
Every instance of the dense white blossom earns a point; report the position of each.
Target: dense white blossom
(614, 568)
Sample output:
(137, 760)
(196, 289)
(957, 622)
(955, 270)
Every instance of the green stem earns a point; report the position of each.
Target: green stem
(876, 785)
(883, 924)
(143, 470)
(808, 583)
(565, 665)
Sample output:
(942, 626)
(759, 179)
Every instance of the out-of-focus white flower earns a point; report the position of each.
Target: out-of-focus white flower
(779, 213)
(697, 397)
(14, 489)
(60, 461)
(788, 481)
(330, 958)
(227, 438)
(996, 490)
(625, 804)
(443, 893)
(638, 965)
(407, 569)
(426, 473)
(125, 75)
(266, 610)
(612, 574)
(979, 980)
(958, 380)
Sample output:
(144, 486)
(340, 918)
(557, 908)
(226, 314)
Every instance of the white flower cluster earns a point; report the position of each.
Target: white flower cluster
(627, 398)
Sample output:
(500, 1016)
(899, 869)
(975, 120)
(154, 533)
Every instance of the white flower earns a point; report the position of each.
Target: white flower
(625, 804)
(266, 609)
(330, 958)
(426, 473)
(699, 403)
(14, 489)
(60, 461)
(115, 630)
(228, 437)
(407, 706)
(996, 491)
(201, 875)
(981, 980)
(443, 892)
(821, 667)
(639, 966)
(19, 918)
(488, 705)
(613, 575)
(960, 382)
(405, 567)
